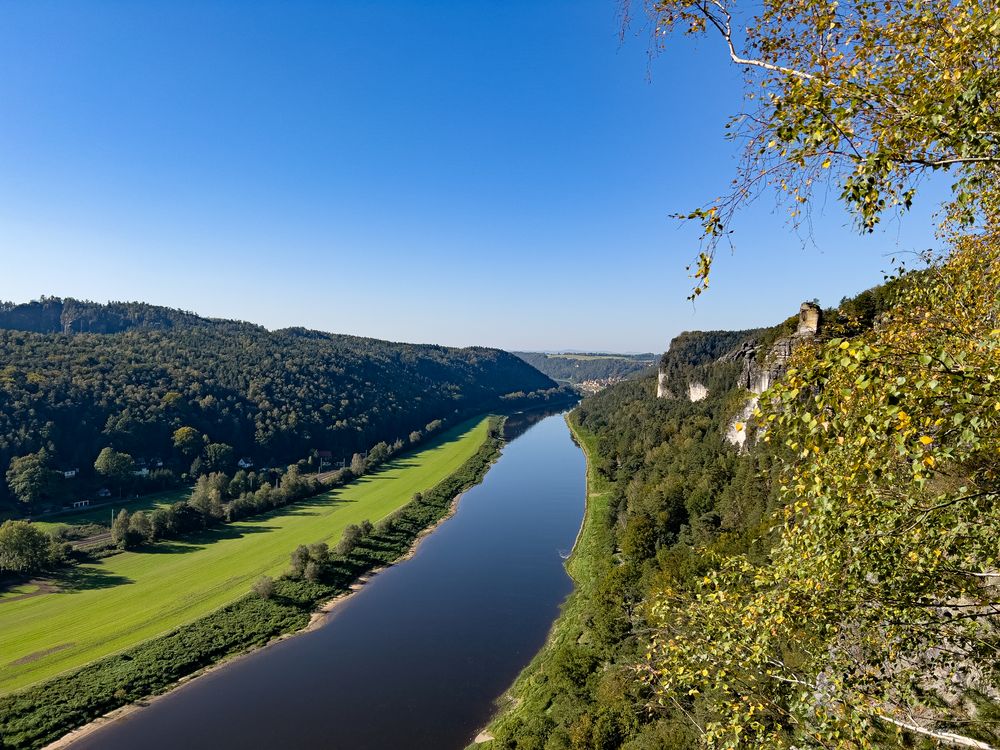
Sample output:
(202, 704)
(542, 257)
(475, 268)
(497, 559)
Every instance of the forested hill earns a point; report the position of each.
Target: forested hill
(271, 396)
(56, 315)
(578, 367)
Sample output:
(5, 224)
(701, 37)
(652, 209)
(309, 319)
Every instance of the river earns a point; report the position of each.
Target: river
(418, 657)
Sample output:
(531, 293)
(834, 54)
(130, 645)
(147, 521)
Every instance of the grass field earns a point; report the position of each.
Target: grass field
(102, 608)
(102, 515)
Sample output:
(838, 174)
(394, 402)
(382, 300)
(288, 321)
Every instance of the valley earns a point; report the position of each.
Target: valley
(100, 608)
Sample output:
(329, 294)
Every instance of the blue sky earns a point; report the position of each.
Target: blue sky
(464, 172)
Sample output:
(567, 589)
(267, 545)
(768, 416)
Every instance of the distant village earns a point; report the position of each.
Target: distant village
(590, 387)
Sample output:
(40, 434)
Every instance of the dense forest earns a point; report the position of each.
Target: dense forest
(579, 367)
(179, 394)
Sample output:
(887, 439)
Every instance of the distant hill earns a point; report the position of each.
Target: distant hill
(76, 377)
(580, 367)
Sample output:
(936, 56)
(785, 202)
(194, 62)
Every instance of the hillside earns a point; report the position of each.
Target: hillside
(77, 377)
(581, 367)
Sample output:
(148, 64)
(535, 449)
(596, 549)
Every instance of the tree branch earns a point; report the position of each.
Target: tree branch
(948, 738)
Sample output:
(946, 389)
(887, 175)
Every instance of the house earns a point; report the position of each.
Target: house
(81, 503)
(104, 492)
(245, 463)
(70, 473)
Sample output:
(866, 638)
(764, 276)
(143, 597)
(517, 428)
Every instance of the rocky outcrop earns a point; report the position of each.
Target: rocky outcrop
(760, 373)
(662, 391)
(697, 392)
(682, 366)
(736, 430)
(688, 364)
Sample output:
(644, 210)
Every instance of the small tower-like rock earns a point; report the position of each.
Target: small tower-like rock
(810, 318)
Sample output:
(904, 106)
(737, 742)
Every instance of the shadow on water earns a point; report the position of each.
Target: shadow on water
(520, 422)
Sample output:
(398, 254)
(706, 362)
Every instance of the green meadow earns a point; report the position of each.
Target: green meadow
(98, 609)
(103, 514)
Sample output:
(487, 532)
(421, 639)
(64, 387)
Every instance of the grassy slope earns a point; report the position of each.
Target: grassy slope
(131, 597)
(592, 545)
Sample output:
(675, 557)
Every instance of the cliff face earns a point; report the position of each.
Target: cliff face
(683, 369)
(759, 373)
(680, 370)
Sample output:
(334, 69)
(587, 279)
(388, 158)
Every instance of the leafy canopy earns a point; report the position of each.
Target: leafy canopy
(867, 94)
(876, 608)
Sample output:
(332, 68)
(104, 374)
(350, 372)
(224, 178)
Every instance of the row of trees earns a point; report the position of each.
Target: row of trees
(220, 498)
(33, 480)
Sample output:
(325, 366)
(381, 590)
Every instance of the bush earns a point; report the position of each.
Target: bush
(263, 587)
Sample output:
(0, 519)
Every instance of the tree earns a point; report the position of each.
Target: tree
(313, 572)
(122, 535)
(188, 441)
(207, 495)
(378, 453)
(319, 553)
(300, 558)
(240, 483)
(263, 587)
(117, 467)
(867, 94)
(218, 457)
(349, 539)
(877, 599)
(415, 437)
(140, 526)
(23, 547)
(161, 522)
(358, 465)
(31, 479)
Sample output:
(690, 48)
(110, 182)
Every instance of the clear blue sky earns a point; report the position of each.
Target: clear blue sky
(463, 172)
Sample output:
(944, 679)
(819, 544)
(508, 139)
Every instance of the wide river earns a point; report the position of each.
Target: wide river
(418, 657)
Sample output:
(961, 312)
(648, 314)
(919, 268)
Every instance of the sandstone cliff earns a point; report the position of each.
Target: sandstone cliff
(693, 359)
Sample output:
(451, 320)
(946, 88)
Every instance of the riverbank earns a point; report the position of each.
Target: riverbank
(317, 620)
(102, 607)
(528, 698)
(39, 715)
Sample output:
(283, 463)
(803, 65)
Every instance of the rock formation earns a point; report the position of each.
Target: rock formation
(697, 391)
(758, 374)
(662, 391)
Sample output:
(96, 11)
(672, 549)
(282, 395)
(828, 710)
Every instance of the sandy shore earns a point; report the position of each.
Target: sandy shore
(317, 620)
